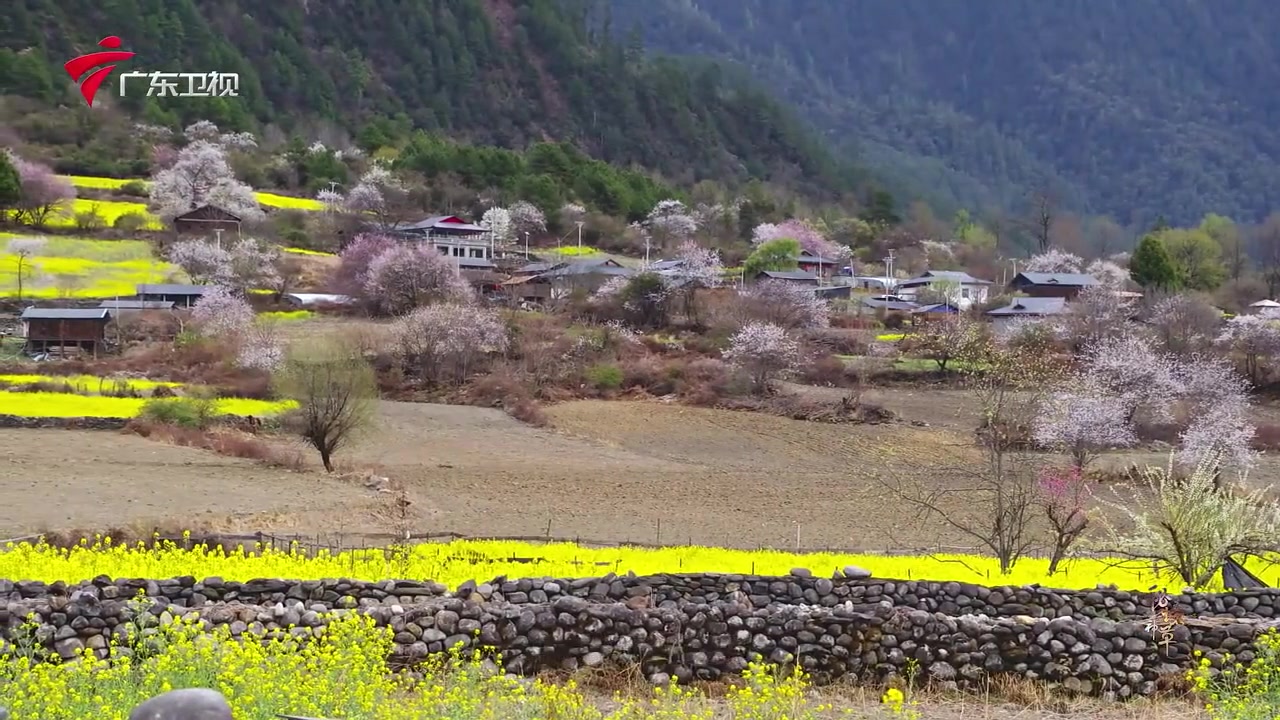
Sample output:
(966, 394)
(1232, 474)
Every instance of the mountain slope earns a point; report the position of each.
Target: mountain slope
(1128, 107)
(503, 72)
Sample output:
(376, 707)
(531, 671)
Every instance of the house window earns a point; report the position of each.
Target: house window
(476, 253)
(457, 252)
(443, 250)
(964, 293)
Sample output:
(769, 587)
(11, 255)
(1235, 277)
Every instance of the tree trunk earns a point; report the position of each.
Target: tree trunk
(326, 459)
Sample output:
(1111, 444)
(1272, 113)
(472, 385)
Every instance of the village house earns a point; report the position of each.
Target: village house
(875, 283)
(815, 265)
(1026, 307)
(49, 329)
(205, 220)
(1051, 285)
(122, 308)
(1265, 308)
(936, 311)
(963, 289)
(183, 296)
(453, 237)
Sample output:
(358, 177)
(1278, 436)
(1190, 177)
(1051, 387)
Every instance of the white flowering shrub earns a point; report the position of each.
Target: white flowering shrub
(764, 351)
(444, 343)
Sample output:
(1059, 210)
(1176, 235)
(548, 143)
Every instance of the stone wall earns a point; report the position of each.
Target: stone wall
(78, 423)
(670, 627)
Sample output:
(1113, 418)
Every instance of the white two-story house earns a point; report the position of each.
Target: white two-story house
(960, 288)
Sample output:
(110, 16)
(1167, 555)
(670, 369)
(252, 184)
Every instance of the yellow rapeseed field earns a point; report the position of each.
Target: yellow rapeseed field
(53, 404)
(82, 268)
(88, 384)
(312, 253)
(456, 562)
(109, 210)
(286, 315)
(269, 199)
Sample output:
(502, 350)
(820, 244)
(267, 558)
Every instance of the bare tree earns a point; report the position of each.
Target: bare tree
(1266, 243)
(992, 498)
(336, 392)
(1042, 216)
(22, 251)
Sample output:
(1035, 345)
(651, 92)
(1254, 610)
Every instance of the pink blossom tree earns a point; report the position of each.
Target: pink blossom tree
(1063, 496)
(789, 305)
(809, 237)
(42, 195)
(1083, 421)
(202, 175)
(1250, 338)
(409, 276)
(353, 261)
(764, 351)
(444, 343)
(1053, 260)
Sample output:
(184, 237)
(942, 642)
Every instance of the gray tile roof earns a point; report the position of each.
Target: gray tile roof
(936, 307)
(537, 267)
(1068, 279)
(1031, 306)
(136, 304)
(788, 275)
(902, 305)
(932, 276)
(666, 265)
(35, 313)
(588, 267)
(467, 262)
(172, 289)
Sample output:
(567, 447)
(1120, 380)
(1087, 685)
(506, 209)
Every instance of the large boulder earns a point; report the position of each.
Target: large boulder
(185, 704)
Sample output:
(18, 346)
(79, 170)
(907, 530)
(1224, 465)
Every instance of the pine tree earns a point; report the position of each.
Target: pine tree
(1151, 266)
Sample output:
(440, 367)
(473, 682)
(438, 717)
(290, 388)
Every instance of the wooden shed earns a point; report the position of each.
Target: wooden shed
(204, 220)
(47, 329)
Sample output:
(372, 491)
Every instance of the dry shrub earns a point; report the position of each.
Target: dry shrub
(223, 441)
(840, 341)
(1267, 437)
(849, 321)
(825, 370)
(847, 409)
(148, 326)
(654, 375)
(502, 388)
(707, 380)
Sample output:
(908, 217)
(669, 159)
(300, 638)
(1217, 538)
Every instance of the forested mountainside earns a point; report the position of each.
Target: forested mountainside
(1133, 108)
(499, 72)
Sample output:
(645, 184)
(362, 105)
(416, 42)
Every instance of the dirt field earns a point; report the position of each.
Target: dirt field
(613, 471)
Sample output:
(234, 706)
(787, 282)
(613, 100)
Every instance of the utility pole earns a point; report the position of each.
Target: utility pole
(646, 250)
(890, 285)
(218, 233)
(526, 245)
(579, 234)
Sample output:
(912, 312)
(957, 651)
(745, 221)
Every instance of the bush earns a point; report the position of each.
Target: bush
(130, 222)
(135, 188)
(1241, 692)
(188, 412)
(90, 220)
(605, 376)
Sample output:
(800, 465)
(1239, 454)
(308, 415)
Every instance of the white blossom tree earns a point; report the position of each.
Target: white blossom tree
(1082, 421)
(526, 218)
(670, 222)
(1185, 323)
(207, 131)
(1217, 402)
(445, 343)
(498, 221)
(203, 261)
(700, 264)
(1096, 314)
(261, 348)
(379, 195)
(222, 314)
(248, 264)
(409, 276)
(1252, 338)
(201, 175)
(764, 351)
(572, 213)
(1130, 369)
(1053, 260)
(789, 305)
(1112, 275)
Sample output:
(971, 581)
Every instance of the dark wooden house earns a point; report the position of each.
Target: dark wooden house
(1051, 285)
(204, 220)
(182, 296)
(47, 329)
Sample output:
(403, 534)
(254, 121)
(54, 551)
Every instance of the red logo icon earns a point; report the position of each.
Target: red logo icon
(78, 67)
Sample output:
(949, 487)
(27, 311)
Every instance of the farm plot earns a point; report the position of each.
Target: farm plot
(275, 200)
(61, 267)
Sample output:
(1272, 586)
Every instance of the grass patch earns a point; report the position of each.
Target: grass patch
(286, 315)
(41, 404)
(927, 365)
(83, 268)
(481, 560)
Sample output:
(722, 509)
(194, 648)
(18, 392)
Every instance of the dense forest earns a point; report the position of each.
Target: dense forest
(1130, 108)
(496, 72)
